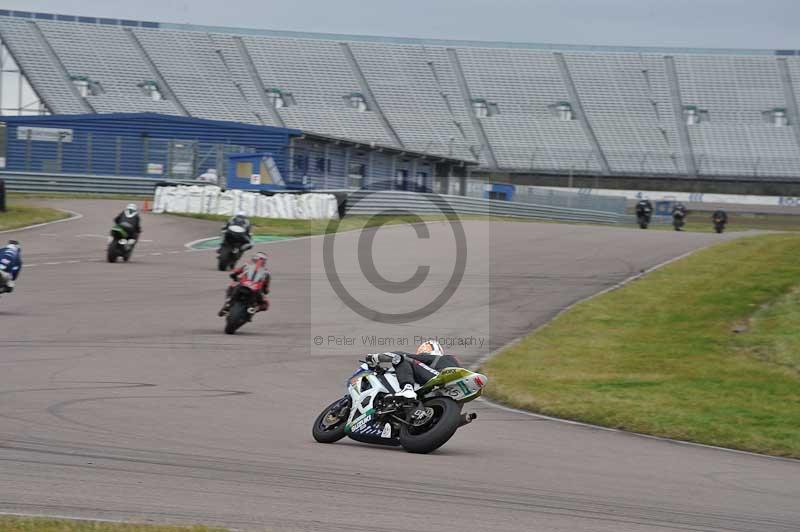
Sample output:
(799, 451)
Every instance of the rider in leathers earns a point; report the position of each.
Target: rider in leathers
(255, 275)
(409, 368)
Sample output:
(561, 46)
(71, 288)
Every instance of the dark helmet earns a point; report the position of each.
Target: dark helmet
(15, 244)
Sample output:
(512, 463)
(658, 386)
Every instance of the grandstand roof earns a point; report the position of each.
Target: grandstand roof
(384, 39)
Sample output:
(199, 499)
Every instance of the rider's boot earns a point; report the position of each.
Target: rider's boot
(407, 392)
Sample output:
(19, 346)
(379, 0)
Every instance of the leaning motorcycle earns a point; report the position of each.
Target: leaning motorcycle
(120, 243)
(243, 305)
(369, 413)
(234, 243)
(719, 224)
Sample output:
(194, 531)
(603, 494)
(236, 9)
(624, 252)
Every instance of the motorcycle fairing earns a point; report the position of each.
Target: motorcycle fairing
(459, 384)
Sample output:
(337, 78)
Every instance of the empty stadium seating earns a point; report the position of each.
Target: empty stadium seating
(545, 108)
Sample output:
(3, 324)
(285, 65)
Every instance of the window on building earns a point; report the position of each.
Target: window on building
(322, 165)
(777, 117)
(563, 111)
(484, 108)
(694, 115)
(86, 86)
(357, 101)
(151, 90)
(279, 98)
(300, 164)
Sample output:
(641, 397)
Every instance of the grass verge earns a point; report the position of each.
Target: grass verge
(19, 215)
(37, 524)
(661, 355)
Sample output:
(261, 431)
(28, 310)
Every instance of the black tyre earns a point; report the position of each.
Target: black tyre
(329, 425)
(719, 229)
(237, 316)
(435, 433)
(111, 254)
(224, 259)
(127, 255)
(643, 225)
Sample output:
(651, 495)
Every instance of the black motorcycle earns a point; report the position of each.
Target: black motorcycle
(678, 219)
(235, 242)
(719, 222)
(643, 216)
(121, 243)
(243, 305)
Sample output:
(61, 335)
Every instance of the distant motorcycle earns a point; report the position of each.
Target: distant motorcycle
(644, 216)
(719, 219)
(121, 242)
(369, 412)
(678, 219)
(234, 243)
(243, 306)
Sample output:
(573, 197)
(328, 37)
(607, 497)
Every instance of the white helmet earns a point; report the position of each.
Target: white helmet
(430, 346)
(241, 213)
(131, 210)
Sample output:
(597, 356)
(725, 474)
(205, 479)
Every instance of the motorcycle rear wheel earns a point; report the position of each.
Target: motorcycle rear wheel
(111, 254)
(223, 259)
(334, 432)
(435, 433)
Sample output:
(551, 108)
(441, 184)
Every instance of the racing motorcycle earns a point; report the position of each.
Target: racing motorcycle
(234, 243)
(643, 216)
(719, 223)
(120, 244)
(244, 304)
(6, 282)
(678, 219)
(369, 413)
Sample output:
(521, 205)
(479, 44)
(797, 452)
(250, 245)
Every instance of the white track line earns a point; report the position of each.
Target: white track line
(73, 216)
(617, 286)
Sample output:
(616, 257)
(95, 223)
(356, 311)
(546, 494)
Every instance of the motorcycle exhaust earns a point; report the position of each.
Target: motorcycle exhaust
(466, 419)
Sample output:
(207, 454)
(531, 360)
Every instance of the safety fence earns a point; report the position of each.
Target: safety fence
(213, 200)
(80, 184)
(390, 202)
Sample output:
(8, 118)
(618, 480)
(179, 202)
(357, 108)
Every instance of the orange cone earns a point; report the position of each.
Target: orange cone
(146, 206)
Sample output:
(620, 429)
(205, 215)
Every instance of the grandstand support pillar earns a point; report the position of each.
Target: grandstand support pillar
(790, 99)
(156, 73)
(677, 111)
(326, 154)
(455, 63)
(59, 66)
(369, 96)
(577, 106)
(257, 81)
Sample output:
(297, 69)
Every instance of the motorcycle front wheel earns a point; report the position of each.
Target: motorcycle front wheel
(111, 253)
(329, 425)
(436, 431)
(237, 316)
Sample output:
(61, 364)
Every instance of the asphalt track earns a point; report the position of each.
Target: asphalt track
(120, 398)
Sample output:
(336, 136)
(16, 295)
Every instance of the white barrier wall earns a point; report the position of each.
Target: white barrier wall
(211, 199)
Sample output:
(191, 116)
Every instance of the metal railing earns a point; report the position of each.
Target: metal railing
(78, 183)
(378, 202)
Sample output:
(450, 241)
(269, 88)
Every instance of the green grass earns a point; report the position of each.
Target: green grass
(36, 524)
(20, 215)
(660, 355)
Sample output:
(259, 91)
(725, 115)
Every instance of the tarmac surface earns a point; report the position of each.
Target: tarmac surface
(121, 398)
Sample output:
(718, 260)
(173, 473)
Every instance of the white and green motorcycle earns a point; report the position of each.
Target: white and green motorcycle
(370, 413)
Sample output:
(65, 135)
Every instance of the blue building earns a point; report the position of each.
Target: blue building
(168, 146)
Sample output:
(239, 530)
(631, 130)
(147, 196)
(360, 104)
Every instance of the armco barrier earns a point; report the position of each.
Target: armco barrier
(77, 183)
(376, 202)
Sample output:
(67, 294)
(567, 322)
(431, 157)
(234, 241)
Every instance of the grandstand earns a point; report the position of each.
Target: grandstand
(516, 108)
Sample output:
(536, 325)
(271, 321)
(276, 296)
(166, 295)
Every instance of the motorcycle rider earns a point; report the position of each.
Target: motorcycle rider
(256, 276)
(130, 216)
(678, 215)
(240, 219)
(421, 367)
(10, 265)
(719, 216)
(644, 207)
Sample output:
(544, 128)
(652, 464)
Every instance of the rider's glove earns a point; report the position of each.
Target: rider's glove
(383, 360)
